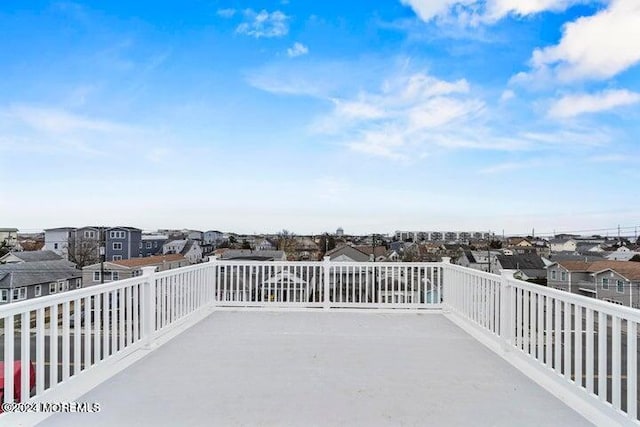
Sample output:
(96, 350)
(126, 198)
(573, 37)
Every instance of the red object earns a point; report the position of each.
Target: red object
(17, 377)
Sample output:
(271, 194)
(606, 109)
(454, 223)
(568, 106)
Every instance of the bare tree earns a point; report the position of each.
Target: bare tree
(83, 251)
(286, 241)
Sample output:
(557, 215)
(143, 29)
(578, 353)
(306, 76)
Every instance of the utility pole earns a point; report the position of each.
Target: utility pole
(103, 253)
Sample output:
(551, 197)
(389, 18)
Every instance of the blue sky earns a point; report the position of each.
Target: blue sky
(374, 116)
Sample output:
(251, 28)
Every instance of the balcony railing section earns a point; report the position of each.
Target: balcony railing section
(591, 346)
(328, 284)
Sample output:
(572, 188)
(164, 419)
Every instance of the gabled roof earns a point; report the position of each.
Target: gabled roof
(629, 269)
(249, 254)
(521, 262)
(470, 257)
(148, 261)
(36, 272)
(349, 252)
(32, 256)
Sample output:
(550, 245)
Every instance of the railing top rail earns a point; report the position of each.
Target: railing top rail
(486, 275)
(66, 296)
(333, 263)
(185, 269)
(581, 300)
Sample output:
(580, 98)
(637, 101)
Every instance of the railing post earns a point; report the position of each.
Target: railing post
(148, 304)
(507, 309)
(212, 282)
(326, 267)
(441, 285)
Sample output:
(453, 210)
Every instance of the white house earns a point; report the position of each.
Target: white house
(563, 245)
(57, 240)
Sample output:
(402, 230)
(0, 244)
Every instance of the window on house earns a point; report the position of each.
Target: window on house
(117, 246)
(553, 275)
(563, 276)
(52, 288)
(61, 287)
(140, 245)
(605, 283)
(55, 246)
(89, 234)
(148, 245)
(96, 276)
(117, 258)
(78, 283)
(117, 234)
(4, 295)
(38, 290)
(620, 286)
(19, 294)
(115, 275)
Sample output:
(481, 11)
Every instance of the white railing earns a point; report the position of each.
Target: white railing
(586, 344)
(328, 284)
(65, 335)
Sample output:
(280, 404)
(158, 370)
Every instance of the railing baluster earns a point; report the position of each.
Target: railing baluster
(602, 356)
(40, 336)
(9, 357)
(25, 355)
(567, 340)
(589, 351)
(53, 345)
(616, 362)
(578, 345)
(632, 371)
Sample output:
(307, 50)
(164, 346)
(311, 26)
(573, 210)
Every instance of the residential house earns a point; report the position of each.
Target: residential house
(151, 244)
(529, 267)
(30, 256)
(479, 260)
(347, 253)
(623, 253)
(127, 268)
(190, 249)
(265, 245)
(213, 237)
(57, 240)
(23, 280)
(8, 237)
(613, 281)
(122, 243)
(195, 235)
(251, 255)
(563, 245)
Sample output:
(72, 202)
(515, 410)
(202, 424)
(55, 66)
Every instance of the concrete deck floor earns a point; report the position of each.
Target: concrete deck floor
(324, 369)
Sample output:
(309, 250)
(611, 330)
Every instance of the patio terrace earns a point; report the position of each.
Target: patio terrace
(323, 343)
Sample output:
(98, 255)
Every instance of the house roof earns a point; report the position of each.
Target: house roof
(470, 257)
(521, 262)
(368, 250)
(32, 256)
(148, 261)
(629, 269)
(36, 272)
(350, 252)
(252, 255)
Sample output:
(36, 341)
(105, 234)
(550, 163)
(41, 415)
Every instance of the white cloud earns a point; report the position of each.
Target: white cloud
(298, 49)
(264, 24)
(473, 12)
(574, 105)
(507, 95)
(226, 13)
(58, 121)
(406, 116)
(594, 47)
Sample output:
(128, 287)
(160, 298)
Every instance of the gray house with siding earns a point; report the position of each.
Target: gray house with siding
(613, 281)
(23, 280)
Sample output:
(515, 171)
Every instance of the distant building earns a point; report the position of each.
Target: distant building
(190, 249)
(339, 232)
(213, 237)
(127, 268)
(57, 240)
(9, 236)
(151, 244)
(347, 254)
(122, 243)
(613, 281)
(250, 255)
(23, 280)
(30, 256)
